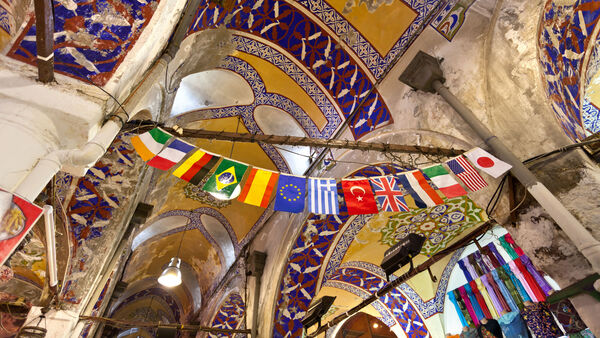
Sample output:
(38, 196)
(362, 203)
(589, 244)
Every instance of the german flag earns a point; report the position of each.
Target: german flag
(195, 168)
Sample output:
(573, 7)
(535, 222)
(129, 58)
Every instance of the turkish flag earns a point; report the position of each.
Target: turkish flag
(359, 197)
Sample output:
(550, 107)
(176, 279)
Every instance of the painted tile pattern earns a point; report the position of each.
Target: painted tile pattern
(230, 315)
(386, 316)
(246, 112)
(267, 53)
(406, 314)
(91, 210)
(451, 18)
(91, 38)
(376, 63)
(426, 308)
(285, 25)
(5, 18)
(564, 36)
(439, 224)
(300, 281)
(158, 295)
(591, 117)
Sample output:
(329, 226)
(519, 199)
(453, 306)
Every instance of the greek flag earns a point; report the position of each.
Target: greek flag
(322, 196)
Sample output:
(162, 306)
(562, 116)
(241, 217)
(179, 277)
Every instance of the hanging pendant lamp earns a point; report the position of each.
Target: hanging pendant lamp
(171, 275)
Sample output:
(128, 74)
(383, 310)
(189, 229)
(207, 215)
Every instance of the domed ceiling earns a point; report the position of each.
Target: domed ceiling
(298, 68)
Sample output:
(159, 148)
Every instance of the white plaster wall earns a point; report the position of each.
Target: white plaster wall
(36, 119)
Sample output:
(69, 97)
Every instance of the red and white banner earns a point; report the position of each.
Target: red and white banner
(17, 216)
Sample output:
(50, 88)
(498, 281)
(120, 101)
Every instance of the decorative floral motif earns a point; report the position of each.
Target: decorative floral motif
(293, 30)
(564, 37)
(439, 224)
(6, 274)
(407, 316)
(91, 38)
(230, 315)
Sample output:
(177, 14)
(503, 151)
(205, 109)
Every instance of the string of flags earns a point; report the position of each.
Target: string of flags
(403, 191)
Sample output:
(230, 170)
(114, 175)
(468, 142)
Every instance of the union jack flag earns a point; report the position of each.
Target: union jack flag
(388, 194)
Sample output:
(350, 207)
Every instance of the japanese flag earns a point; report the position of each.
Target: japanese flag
(487, 162)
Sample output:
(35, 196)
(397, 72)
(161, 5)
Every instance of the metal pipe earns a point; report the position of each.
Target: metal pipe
(50, 245)
(581, 237)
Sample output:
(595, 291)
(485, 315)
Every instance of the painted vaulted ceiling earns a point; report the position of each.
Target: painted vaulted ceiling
(294, 68)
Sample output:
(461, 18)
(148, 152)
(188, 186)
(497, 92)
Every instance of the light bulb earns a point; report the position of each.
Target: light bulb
(375, 325)
(171, 276)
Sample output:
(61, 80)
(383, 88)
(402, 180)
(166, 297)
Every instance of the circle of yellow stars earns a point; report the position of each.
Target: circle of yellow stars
(285, 197)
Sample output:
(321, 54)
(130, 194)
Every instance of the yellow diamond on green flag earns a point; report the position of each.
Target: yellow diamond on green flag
(226, 178)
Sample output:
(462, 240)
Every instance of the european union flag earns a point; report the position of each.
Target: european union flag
(290, 193)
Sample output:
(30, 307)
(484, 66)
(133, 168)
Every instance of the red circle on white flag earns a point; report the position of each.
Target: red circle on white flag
(485, 162)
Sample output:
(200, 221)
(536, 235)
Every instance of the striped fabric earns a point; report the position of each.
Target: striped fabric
(466, 173)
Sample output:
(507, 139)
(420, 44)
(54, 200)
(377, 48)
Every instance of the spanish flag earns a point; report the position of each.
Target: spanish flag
(195, 168)
(259, 187)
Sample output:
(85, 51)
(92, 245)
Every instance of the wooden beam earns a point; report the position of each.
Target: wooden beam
(44, 31)
(305, 141)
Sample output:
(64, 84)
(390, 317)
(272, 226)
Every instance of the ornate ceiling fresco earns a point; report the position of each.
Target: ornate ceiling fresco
(314, 60)
(344, 252)
(569, 64)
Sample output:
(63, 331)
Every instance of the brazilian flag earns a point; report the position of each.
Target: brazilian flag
(226, 178)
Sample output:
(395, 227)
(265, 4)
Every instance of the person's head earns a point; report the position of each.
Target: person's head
(484, 321)
(466, 328)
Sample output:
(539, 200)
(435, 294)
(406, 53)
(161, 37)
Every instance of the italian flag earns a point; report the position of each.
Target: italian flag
(445, 183)
(150, 143)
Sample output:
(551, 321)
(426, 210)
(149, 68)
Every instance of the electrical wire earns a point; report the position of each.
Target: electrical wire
(107, 93)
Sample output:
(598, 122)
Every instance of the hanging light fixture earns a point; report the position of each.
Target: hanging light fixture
(171, 276)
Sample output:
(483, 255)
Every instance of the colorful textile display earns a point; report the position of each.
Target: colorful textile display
(469, 332)
(509, 249)
(508, 238)
(486, 298)
(540, 320)
(474, 302)
(493, 296)
(459, 312)
(496, 254)
(462, 307)
(567, 316)
(508, 297)
(519, 274)
(512, 289)
(463, 267)
(517, 283)
(513, 326)
(541, 281)
(533, 285)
